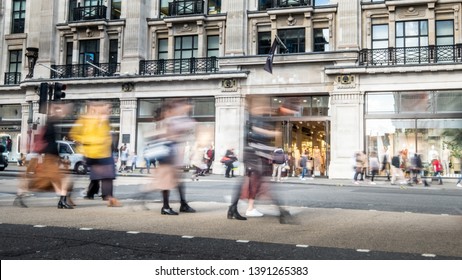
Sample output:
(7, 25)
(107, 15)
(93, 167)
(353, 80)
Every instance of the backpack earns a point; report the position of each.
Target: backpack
(279, 157)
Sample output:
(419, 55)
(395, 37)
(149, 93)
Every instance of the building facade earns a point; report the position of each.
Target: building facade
(364, 75)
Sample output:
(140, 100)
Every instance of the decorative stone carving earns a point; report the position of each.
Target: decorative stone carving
(228, 85)
(345, 82)
(411, 12)
(128, 87)
(291, 21)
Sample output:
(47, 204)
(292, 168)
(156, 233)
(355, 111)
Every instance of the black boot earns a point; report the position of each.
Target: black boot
(18, 201)
(232, 213)
(62, 204)
(186, 208)
(285, 217)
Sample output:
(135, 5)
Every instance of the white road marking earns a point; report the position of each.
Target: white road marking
(302, 246)
(40, 226)
(242, 241)
(363, 250)
(85, 228)
(429, 255)
(133, 232)
(187, 236)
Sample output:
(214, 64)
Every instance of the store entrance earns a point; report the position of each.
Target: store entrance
(300, 135)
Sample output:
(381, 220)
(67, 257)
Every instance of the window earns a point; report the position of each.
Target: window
(214, 6)
(19, 15)
(444, 32)
(411, 36)
(293, 39)
(448, 101)
(444, 40)
(88, 55)
(89, 51)
(264, 42)
(213, 45)
(162, 50)
(264, 5)
(13, 76)
(321, 2)
(164, 8)
(113, 55)
(116, 7)
(380, 36)
(69, 49)
(185, 47)
(321, 39)
(113, 51)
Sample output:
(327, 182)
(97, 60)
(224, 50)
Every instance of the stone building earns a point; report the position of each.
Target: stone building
(363, 74)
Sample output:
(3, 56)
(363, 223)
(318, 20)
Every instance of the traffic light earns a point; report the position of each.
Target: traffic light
(59, 91)
(43, 98)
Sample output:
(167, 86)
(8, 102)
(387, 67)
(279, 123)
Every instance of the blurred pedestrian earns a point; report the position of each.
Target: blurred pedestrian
(360, 163)
(257, 152)
(397, 171)
(174, 131)
(93, 133)
(210, 156)
(437, 170)
(123, 156)
(374, 166)
(48, 176)
(230, 159)
(279, 159)
(304, 165)
(386, 163)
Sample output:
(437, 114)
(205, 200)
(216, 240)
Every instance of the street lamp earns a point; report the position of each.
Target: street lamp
(32, 55)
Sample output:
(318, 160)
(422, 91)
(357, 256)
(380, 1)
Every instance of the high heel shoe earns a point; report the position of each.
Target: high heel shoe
(62, 204)
(168, 211)
(113, 202)
(232, 213)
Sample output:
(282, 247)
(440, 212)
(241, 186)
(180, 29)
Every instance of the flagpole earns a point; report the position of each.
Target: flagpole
(280, 42)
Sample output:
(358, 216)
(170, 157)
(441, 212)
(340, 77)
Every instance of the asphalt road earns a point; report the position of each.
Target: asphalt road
(329, 222)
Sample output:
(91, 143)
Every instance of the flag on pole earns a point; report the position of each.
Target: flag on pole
(269, 60)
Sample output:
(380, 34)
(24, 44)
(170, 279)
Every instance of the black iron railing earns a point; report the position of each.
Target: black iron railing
(178, 8)
(84, 70)
(90, 12)
(12, 78)
(268, 4)
(411, 55)
(179, 66)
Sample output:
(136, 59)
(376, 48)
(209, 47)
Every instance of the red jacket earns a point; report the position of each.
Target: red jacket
(437, 167)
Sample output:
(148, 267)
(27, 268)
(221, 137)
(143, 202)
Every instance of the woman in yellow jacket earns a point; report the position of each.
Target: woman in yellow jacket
(92, 132)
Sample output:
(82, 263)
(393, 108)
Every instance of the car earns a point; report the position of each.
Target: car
(70, 159)
(3, 158)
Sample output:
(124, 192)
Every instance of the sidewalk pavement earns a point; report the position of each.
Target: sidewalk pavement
(13, 170)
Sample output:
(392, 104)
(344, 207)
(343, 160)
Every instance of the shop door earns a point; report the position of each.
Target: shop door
(306, 136)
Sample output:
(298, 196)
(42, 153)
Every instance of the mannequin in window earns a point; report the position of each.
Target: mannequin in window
(445, 159)
(317, 159)
(432, 154)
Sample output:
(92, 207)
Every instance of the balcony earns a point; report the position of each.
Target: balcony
(178, 66)
(12, 78)
(411, 55)
(181, 8)
(89, 12)
(269, 4)
(85, 70)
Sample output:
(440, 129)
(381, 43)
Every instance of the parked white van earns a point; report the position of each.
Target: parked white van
(67, 152)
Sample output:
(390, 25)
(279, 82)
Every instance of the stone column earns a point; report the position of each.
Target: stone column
(229, 128)
(135, 39)
(128, 108)
(236, 26)
(347, 132)
(348, 25)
